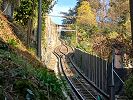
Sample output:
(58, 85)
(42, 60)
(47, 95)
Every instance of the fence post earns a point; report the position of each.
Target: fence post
(112, 87)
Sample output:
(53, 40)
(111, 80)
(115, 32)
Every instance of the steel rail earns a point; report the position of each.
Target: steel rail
(84, 77)
(85, 88)
(59, 71)
(79, 74)
(73, 87)
(70, 83)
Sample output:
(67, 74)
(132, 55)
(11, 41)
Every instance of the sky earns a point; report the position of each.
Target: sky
(61, 6)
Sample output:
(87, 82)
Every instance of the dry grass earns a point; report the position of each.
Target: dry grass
(6, 34)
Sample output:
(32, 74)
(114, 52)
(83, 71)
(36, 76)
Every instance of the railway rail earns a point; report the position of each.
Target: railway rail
(81, 88)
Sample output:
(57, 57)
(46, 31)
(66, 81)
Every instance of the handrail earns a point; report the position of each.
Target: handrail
(118, 76)
(101, 92)
(112, 87)
(93, 85)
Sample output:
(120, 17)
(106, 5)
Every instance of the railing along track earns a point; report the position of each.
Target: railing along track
(99, 91)
(81, 88)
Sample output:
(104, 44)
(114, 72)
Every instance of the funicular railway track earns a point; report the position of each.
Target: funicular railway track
(81, 88)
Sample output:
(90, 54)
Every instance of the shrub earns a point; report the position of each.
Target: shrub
(12, 42)
(129, 87)
(37, 83)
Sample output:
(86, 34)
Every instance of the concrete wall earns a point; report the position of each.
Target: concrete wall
(51, 38)
(8, 7)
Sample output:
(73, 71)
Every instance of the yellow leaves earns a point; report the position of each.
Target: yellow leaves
(113, 35)
(84, 7)
(100, 45)
(85, 14)
(128, 25)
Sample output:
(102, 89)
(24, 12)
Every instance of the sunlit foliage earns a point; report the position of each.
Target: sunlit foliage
(85, 14)
(28, 10)
(113, 26)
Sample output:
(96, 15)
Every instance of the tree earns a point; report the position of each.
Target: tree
(26, 14)
(70, 16)
(39, 29)
(131, 18)
(85, 16)
(118, 14)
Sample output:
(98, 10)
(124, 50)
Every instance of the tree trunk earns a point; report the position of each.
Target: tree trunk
(131, 18)
(29, 32)
(39, 29)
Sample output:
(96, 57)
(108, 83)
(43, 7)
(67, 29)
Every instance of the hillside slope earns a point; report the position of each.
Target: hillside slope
(22, 75)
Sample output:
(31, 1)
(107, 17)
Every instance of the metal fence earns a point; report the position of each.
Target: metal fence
(93, 67)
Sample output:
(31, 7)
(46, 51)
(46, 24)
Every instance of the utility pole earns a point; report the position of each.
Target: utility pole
(39, 29)
(76, 36)
(131, 18)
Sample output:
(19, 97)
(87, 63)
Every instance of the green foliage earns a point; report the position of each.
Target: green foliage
(33, 82)
(69, 20)
(129, 87)
(1, 93)
(73, 40)
(106, 30)
(22, 85)
(28, 10)
(43, 34)
(0, 3)
(49, 80)
(24, 12)
(32, 50)
(84, 45)
(113, 35)
(12, 42)
(99, 35)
